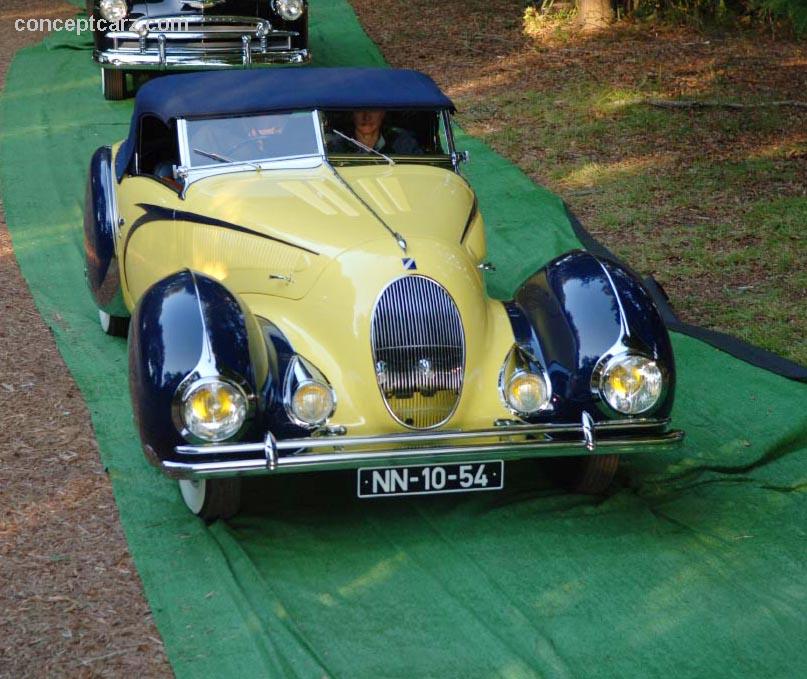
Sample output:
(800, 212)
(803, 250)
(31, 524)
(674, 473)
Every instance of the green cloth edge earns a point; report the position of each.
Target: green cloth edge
(702, 552)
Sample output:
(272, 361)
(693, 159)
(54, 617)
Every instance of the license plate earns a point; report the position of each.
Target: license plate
(430, 479)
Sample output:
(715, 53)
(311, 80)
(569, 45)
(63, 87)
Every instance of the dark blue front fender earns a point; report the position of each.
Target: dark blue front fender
(187, 326)
(576, 310)
(100, 228)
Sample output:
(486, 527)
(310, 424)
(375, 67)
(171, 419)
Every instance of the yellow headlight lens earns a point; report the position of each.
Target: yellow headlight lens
(527, 393)
(214, 410)
(631, 384)
(313, 402)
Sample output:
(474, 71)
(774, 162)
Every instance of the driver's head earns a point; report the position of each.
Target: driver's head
(368, 123)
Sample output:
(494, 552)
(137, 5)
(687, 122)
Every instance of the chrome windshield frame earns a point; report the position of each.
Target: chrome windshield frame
(188, 174)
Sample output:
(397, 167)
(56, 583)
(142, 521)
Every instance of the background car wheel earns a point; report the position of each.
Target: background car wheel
(113, 84)
(212, 499)
(589, 474)
(117, 326)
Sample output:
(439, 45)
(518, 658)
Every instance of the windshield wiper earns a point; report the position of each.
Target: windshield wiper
(364, 147)
(224, 159)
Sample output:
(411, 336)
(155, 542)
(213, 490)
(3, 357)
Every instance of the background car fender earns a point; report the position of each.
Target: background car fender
(100, 230)
(579, 308)
(187, 326)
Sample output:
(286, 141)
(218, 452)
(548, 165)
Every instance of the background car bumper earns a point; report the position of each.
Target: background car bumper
(199, 41)
(509, 442)
(178, 59)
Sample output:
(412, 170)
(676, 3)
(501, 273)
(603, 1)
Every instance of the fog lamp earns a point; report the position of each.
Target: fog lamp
(527, 393)
(312, 402)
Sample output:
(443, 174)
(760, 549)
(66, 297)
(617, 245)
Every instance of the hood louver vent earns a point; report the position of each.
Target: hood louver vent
(419, 351)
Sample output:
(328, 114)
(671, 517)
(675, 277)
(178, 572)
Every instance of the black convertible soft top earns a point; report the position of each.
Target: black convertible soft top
(244, 92)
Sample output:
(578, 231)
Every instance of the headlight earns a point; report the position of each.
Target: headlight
(213, 409)
(312, 402)
(290, 10)
(113, 10)
(631, 384)
(526, 393)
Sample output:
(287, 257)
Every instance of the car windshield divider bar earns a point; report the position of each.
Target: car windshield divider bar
(637, 425)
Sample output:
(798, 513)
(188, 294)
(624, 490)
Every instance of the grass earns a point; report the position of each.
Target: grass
(722, 229)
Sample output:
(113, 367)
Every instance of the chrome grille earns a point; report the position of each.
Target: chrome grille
(418, 348)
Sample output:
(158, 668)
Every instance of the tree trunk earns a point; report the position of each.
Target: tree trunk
(593, 14)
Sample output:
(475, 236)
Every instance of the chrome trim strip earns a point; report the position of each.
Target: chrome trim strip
(399, 239)
(420, 437)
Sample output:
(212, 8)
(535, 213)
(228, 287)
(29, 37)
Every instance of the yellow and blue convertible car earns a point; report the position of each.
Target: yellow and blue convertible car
(299, 265)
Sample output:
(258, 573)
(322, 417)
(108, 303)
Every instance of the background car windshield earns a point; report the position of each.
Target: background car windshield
(251, 138)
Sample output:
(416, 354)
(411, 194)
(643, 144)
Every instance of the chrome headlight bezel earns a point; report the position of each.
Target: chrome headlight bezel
(113, 10)
(302, 373)
(517, 364)
(289, 10)
(195, 383)
(608, 363)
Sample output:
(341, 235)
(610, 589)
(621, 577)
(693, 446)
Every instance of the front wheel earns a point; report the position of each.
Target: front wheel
(117, 326)
(587, 474)
(212, 499)
(113, 84)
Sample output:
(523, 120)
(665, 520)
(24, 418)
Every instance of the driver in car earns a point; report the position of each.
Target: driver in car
(368, 130)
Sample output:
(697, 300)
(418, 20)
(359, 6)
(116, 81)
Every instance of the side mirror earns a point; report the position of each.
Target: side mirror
(460, 157)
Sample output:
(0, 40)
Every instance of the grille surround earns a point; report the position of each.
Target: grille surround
(418, 348)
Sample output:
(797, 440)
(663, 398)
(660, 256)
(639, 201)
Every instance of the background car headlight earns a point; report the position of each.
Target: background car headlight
(526, 393)
(631, 384)
(214, 410)
(113, 10)
(290, 10)
(313, 402)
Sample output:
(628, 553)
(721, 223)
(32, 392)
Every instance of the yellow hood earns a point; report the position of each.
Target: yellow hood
(276, 230)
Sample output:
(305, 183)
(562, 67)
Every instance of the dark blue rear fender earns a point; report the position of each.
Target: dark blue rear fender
(188, 326)
(576, 310)
(100, 228)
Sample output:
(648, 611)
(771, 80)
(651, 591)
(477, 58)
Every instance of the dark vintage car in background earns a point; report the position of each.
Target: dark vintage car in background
(166, 35)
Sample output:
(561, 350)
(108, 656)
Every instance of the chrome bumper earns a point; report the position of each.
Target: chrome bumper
(202, 42)
(509, 442)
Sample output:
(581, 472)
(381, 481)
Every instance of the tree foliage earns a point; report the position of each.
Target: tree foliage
(706, 11)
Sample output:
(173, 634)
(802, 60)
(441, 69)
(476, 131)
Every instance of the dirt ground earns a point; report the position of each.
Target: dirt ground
(71, 603)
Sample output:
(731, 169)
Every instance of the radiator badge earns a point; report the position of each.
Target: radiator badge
(409, 264)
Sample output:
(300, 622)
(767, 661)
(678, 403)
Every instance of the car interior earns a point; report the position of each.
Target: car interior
(424, 126)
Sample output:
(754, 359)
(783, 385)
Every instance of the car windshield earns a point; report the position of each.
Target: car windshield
(251, 138)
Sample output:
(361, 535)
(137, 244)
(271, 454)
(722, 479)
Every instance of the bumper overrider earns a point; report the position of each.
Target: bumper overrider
(183, 42)
(332, 452)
